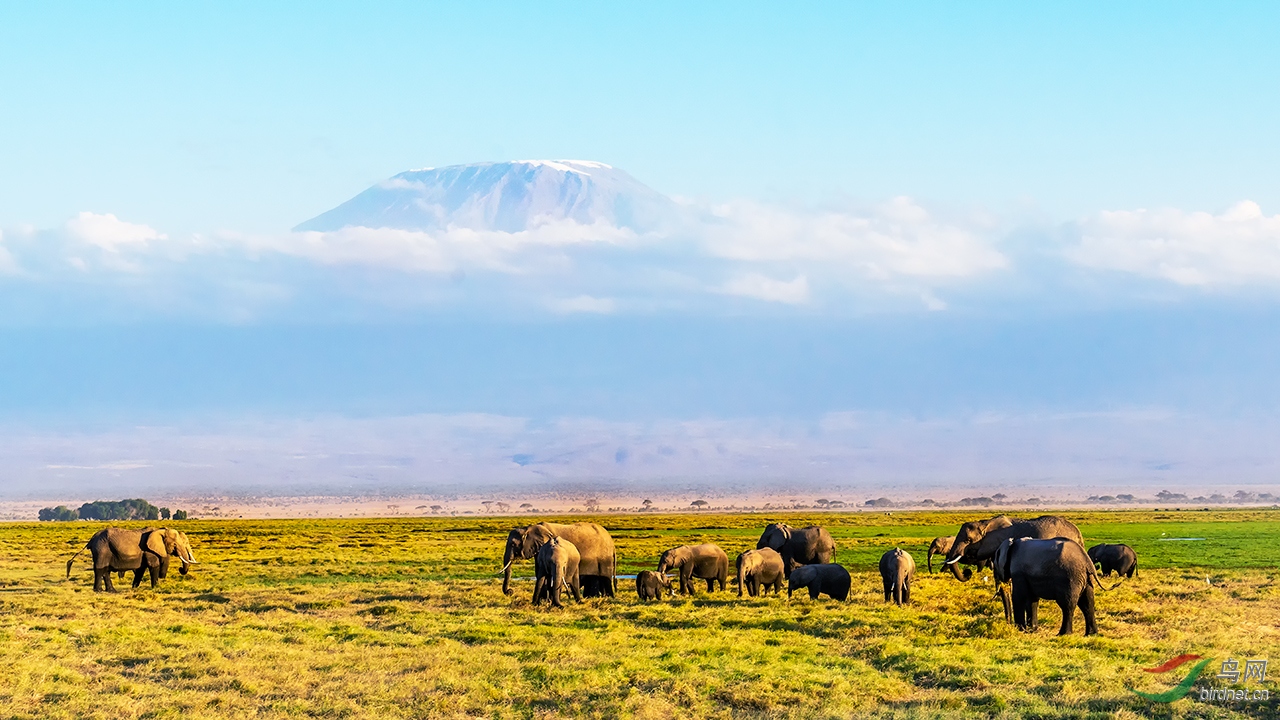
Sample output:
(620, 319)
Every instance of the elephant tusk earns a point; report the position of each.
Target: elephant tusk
(504, 567)
(953, 562)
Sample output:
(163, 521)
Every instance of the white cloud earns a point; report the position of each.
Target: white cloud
(109, 232)
(896, 239)
(584, 304)
(441, 252)
(755, 285)
(1239, 246)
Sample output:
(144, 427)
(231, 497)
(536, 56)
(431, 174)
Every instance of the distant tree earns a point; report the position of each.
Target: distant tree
(879, 502)
(822, 502)
(1124, 497)
(999, 496)
(436, 508)
(593, 505)
(525, 506)
(699, 504)
(135, 509)
(1167, 496)
(165, 514)
(502, 507)
(647, 503)
(62, 513)
(179, 514)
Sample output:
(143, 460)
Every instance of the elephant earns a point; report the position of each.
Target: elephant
(760, 570)
(807, 546)
(939, 546)
(556, 567)
(1057, 569)
(977, 542)
(897, 570)
(1119, 558)
(649, 585)
(706, 562)
(142, 551)
(599, 557)
(829, 578)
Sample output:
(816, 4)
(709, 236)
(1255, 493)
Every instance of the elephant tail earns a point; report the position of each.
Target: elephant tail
(73, 558)
(1096, 579)
(615, 571)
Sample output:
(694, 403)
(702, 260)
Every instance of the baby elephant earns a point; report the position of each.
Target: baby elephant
(706, 562)
(897, 570)
(649, 585)
(556, 568)
(1120, 558)
(829, 578)
(759, 569)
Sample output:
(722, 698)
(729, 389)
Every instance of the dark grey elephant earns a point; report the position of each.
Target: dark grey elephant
(1057, 570)
(807, 546)
(142, 551)
(599, 557)
(760, 570)
(705, 562)
(977, 542)
(939, 546)
(649, 585)
(897, 570)
(556, 569)
(830, 578)
(1120, 559)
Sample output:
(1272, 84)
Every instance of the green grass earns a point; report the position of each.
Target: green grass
(404, 618)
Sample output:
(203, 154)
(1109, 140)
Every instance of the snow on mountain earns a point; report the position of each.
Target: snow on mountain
(503, 196)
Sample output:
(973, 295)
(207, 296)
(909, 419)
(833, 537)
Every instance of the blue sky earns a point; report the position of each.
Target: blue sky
(962, 216)
(253, 118)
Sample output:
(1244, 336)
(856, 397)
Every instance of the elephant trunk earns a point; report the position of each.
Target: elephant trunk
(742, 577)
(954, 566)
(507, 558)
(930, 559)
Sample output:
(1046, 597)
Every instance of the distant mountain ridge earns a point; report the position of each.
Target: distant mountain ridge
(504, 196)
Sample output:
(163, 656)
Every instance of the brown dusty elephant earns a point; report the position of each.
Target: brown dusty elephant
(897, 570)
(142, 551)
(1057, 570)
(556, 569)
(807, 546)
(977, 542)
(939, 546)
(705, 562)
(1120, 559)
(760, 570)
(829, 578)
(649, 585)
(599, 557)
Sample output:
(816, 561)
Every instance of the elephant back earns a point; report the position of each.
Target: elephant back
(594, 544)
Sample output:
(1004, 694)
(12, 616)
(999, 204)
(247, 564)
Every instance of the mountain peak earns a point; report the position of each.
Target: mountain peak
(507, 196)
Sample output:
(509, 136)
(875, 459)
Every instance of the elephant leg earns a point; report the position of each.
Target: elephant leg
(888, 590)
(106, 577)
(1019, 603)
(814, 589)
(577, 591)
(711, 585)
(137, 577)
(906, 592)
(538, 587)
(1088, 609)
(1003, 591)
(97, 580)
(1033, 613)
(1068, 614)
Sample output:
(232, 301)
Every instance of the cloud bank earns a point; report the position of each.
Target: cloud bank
(736, 257)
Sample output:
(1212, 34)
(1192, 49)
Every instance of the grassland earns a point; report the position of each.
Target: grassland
(403, 618)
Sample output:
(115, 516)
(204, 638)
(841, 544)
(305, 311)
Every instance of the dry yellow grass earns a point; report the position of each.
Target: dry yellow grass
(402, 618)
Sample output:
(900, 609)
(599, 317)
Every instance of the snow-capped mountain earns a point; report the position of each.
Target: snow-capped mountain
(505, 196)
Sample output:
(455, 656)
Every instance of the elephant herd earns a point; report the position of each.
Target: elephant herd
(1040, 559)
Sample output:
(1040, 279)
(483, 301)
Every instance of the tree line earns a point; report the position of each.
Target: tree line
(134, 509)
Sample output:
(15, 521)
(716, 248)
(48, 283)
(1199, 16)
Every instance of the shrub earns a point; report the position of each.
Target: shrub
(62, 513)
(179, 514)
(135, 509)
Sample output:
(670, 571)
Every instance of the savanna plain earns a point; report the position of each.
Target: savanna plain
(405, 618)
